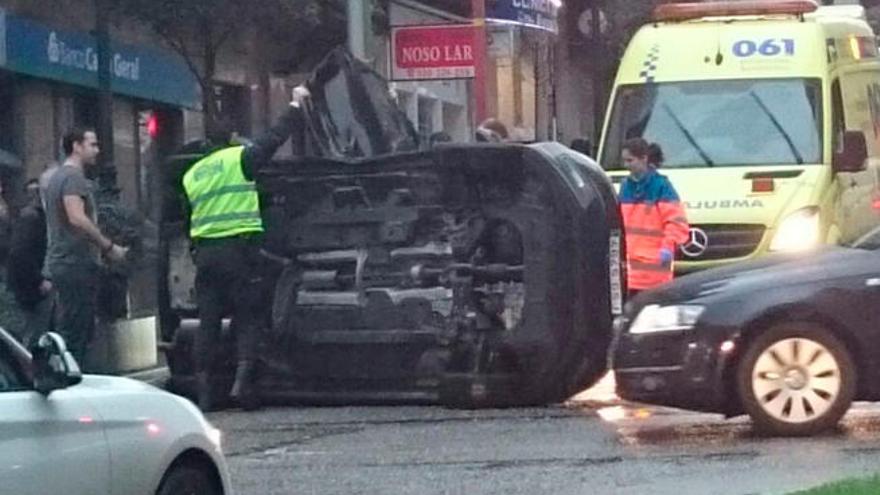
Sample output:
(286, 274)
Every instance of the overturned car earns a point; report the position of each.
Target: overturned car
(467, 275)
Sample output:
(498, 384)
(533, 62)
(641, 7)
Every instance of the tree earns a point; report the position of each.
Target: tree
(199, 29)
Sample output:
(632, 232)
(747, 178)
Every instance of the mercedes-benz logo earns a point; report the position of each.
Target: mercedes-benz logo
(697, 244)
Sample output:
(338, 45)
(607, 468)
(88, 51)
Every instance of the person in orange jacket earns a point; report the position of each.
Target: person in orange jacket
(653, 217)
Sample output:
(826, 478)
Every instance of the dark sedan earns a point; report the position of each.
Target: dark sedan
(790, 340)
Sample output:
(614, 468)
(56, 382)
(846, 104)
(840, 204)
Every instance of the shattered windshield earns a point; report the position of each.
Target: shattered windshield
(720, 123)
(352, 112)
(342, 127)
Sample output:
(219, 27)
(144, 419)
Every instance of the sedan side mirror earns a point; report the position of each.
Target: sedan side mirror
(852, 156)
(54, 366)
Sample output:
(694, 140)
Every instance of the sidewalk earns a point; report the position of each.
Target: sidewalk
(154, 376)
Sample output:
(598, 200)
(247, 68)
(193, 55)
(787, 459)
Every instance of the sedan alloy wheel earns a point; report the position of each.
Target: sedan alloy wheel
(796, 379)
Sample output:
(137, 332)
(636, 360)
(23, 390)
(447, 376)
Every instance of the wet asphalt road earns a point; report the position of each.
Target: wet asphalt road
(584, 447)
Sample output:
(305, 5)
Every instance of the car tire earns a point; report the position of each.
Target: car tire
(796, 379)
(188, 480)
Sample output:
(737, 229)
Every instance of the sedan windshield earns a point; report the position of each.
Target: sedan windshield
(720, 123)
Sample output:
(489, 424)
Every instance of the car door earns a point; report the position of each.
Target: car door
(863, 312)
(51, 444)
(854, 108)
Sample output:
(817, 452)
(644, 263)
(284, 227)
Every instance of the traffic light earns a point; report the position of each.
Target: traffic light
(153, 125)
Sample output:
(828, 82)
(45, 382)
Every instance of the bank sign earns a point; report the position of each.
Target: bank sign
(31, 48)
(432, 52)
(539, 14)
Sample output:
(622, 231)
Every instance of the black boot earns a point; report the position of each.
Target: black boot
(244, 391)
(204, 395)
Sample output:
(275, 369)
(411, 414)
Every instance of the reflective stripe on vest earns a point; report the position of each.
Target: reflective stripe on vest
(223, 202)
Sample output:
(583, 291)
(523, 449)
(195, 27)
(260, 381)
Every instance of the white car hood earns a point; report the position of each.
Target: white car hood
(124, 399)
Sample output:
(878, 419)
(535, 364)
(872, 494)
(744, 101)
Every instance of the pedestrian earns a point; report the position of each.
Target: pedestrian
(653, 217)
(226, 230)
(75, 243)
(492, 130)
(24, 268)
(44, 179)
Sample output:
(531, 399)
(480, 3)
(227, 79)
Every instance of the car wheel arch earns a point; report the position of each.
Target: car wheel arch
(199, 459)
(795, 313)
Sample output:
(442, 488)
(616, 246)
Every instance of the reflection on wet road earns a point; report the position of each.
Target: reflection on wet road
(594, 444)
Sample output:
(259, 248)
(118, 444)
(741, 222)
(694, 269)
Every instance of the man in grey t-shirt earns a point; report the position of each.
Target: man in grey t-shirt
(75, 241)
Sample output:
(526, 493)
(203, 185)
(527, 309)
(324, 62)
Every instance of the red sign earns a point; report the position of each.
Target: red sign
(432, 52)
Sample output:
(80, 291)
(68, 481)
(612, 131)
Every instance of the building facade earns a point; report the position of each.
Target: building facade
(49, 81)
(432, 106)
(519, 70)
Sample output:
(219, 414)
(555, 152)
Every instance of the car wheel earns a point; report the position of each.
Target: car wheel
(188, 480)
(796, 379)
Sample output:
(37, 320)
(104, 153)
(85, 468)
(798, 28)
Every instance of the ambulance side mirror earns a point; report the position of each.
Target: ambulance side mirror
(853, 153)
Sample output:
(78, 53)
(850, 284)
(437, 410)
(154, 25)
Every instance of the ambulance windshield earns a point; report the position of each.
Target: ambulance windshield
(720, 123)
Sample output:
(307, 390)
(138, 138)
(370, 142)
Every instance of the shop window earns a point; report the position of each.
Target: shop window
(85, 110)
(233, 103)
(7, 134)
(455, 121)
(430, 118)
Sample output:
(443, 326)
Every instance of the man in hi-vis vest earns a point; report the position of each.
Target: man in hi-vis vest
(226, 228)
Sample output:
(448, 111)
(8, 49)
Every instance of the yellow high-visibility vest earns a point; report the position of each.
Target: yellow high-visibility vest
(223, 203)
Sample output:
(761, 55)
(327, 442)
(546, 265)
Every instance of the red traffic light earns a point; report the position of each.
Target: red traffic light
(153, 125)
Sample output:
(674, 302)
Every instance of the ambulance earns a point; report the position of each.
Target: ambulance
(768, 113)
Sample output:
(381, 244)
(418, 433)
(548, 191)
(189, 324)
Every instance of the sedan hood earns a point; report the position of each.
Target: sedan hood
(102, 384)
(770, 271)
(118, 398)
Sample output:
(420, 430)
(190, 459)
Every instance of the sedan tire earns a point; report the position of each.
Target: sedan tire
(796, 379)
(188, 480)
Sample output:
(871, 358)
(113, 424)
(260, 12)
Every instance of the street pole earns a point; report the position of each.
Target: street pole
(598, 72)
(359, 25)
(106, 173)
(478, 86)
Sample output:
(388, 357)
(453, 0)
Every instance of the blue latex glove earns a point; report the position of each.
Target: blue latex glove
(666, 256)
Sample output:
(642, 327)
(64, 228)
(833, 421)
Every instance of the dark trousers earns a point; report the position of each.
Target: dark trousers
(76, 287)
(38, 319)
(227, 282)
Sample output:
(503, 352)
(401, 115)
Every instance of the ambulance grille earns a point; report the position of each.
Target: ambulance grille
(725, 241)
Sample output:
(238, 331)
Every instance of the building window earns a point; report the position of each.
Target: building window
(426, 118)
(233, 105)
(7, 134)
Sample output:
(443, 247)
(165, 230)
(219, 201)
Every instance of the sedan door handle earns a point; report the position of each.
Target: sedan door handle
(872, 282)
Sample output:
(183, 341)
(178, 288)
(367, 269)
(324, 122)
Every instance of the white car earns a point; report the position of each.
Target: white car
(62, 432)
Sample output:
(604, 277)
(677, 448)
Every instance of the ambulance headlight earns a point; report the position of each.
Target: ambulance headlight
(798, 232)
(654, 318)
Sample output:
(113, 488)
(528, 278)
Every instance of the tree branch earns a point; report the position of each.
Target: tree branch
(179, 46)
(223, 37)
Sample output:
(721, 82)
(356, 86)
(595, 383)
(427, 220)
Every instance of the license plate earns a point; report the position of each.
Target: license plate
(616, 283)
